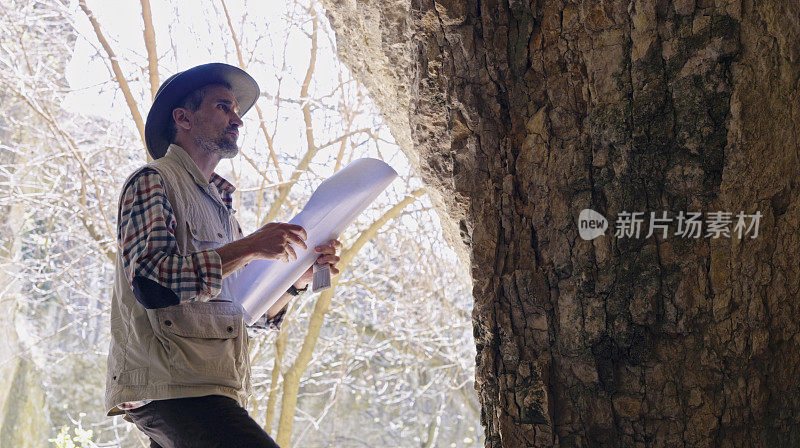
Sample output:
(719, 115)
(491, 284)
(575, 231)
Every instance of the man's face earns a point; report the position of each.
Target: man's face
(215, 126)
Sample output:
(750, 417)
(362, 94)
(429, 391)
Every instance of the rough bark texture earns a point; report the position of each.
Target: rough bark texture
(520, 114)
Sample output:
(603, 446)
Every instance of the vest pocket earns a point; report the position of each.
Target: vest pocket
(205, 236)
(203, 343)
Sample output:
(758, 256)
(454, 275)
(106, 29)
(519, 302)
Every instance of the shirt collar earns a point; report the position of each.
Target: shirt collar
(222, 184)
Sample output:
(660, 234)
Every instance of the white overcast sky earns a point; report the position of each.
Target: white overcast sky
(189, 33)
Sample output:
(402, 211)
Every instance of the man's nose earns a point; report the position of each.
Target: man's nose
(235, 120)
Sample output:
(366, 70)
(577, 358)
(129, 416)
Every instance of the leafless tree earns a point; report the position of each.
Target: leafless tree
(385, 355)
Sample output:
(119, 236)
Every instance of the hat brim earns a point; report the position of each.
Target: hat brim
(174, 89)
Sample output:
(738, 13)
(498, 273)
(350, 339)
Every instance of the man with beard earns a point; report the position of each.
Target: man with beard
(178, 363)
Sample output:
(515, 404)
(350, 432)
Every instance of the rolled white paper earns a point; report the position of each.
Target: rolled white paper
(332, 207)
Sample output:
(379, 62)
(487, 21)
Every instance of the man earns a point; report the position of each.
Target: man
(178, 362)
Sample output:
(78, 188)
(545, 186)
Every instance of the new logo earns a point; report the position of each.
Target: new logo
(591, 224)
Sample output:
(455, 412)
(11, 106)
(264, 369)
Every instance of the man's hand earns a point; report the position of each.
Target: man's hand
(274, 241)
(271, 242)
(327, 256)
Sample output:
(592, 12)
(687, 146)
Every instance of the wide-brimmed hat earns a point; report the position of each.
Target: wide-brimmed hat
(177, 86)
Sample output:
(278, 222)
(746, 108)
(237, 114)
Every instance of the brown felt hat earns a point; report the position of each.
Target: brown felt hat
(177, 86)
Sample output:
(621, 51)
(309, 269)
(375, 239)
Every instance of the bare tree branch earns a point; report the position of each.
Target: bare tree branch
(150, 45)
(118, 76)
(311, 148)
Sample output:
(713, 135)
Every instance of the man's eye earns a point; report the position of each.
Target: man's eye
(223, 107)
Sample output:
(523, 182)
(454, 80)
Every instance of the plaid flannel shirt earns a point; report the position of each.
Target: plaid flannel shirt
(159, 275)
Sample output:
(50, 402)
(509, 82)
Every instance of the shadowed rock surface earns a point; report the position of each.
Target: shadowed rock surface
(518, 115)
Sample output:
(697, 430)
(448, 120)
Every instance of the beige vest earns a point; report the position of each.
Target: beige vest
(187, 350)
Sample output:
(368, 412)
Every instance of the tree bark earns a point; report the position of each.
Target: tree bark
(519, 115)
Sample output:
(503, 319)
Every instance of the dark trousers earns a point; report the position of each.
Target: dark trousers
(212, 421)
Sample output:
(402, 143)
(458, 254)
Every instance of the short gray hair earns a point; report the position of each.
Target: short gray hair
(192, 102)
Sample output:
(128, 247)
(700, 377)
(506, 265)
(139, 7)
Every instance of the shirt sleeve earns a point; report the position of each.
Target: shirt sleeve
(158, 274)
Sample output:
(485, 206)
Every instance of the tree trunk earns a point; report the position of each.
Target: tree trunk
(519, 115)
(24, 423)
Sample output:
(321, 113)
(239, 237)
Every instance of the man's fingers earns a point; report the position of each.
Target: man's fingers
(290, 253)
(330, 248)
(325, 250)
(327, 259)
(296, 239)
(297, 230)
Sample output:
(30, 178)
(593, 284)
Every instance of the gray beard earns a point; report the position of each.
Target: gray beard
(222, 146)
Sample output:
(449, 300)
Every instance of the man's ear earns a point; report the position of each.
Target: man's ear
(182, 118)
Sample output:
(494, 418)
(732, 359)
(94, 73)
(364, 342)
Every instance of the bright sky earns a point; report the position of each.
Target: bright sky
(197, 33)
(185, 37)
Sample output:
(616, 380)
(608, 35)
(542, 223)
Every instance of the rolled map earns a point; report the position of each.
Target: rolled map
(333, 206)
